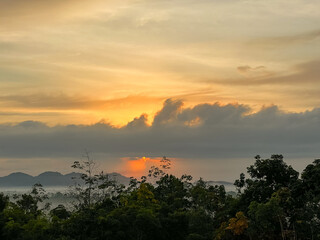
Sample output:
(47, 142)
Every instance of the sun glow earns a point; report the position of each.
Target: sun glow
(139, 166)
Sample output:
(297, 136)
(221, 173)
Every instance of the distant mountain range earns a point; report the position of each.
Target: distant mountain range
(219, 183)
(47, 179)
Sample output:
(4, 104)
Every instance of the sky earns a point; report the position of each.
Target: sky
(207, 83)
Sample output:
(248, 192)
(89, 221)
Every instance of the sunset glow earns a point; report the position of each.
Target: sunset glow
(115, 60)
(138, 167)
(167, 119)
(197, 79)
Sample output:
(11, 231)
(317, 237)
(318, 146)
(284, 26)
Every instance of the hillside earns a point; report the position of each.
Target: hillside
(19, 179)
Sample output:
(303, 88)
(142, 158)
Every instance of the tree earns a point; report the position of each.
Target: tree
(30, 202)
(159, 172)
(4, 201)
(210, 198)
(238, 224)
(308, 195)
(266, 177)
(92, 187)
(263, 217)
(24, 219)
(311, 179)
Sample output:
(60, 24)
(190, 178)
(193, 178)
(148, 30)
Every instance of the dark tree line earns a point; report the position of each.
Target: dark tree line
(272, 202)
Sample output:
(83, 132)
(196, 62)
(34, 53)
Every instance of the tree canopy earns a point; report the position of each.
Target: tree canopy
(272, 203)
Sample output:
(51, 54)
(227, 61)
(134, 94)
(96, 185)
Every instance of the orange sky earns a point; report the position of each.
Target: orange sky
(97, 65)
(77, 62)
(138, 167)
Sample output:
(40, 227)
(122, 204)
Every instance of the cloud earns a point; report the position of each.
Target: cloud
(254, 72)
(246, 68)
(155, 48)
(29, 114)
(72, 102)
(304, 73)
(19, 14)
(300, 74)
(168, 113)
(138, 123)
(287, 40)
(222, 131)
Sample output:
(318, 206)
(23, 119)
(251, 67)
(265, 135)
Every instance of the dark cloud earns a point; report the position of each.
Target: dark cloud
(169, 112)
(219, 132)
(246, 68)
(138, 123)
(301, 74)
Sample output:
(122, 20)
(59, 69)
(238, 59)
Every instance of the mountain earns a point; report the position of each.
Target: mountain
(17, 179)
(228, 186)
(57, 179)
(212, 183)
(119, 178)
(47, 179)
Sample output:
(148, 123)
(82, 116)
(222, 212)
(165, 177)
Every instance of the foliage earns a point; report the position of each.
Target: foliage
(238, 224)
(92, 187)
(272, 203)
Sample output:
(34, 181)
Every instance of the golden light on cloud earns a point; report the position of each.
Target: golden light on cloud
(194, 122)
(116, 60)
(146, 78)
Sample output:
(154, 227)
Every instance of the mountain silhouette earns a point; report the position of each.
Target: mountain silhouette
(49, 178)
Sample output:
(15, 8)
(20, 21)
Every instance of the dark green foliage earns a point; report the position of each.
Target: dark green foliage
(4, 201)
(311, 179)
(273, 203)
(266, 177)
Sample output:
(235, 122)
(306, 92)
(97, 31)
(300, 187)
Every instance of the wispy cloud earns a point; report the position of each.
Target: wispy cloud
(282, 41)
(67, 102)
(300, 74)
(20, 14)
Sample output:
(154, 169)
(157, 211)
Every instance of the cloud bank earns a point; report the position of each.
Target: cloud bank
(203, 131)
